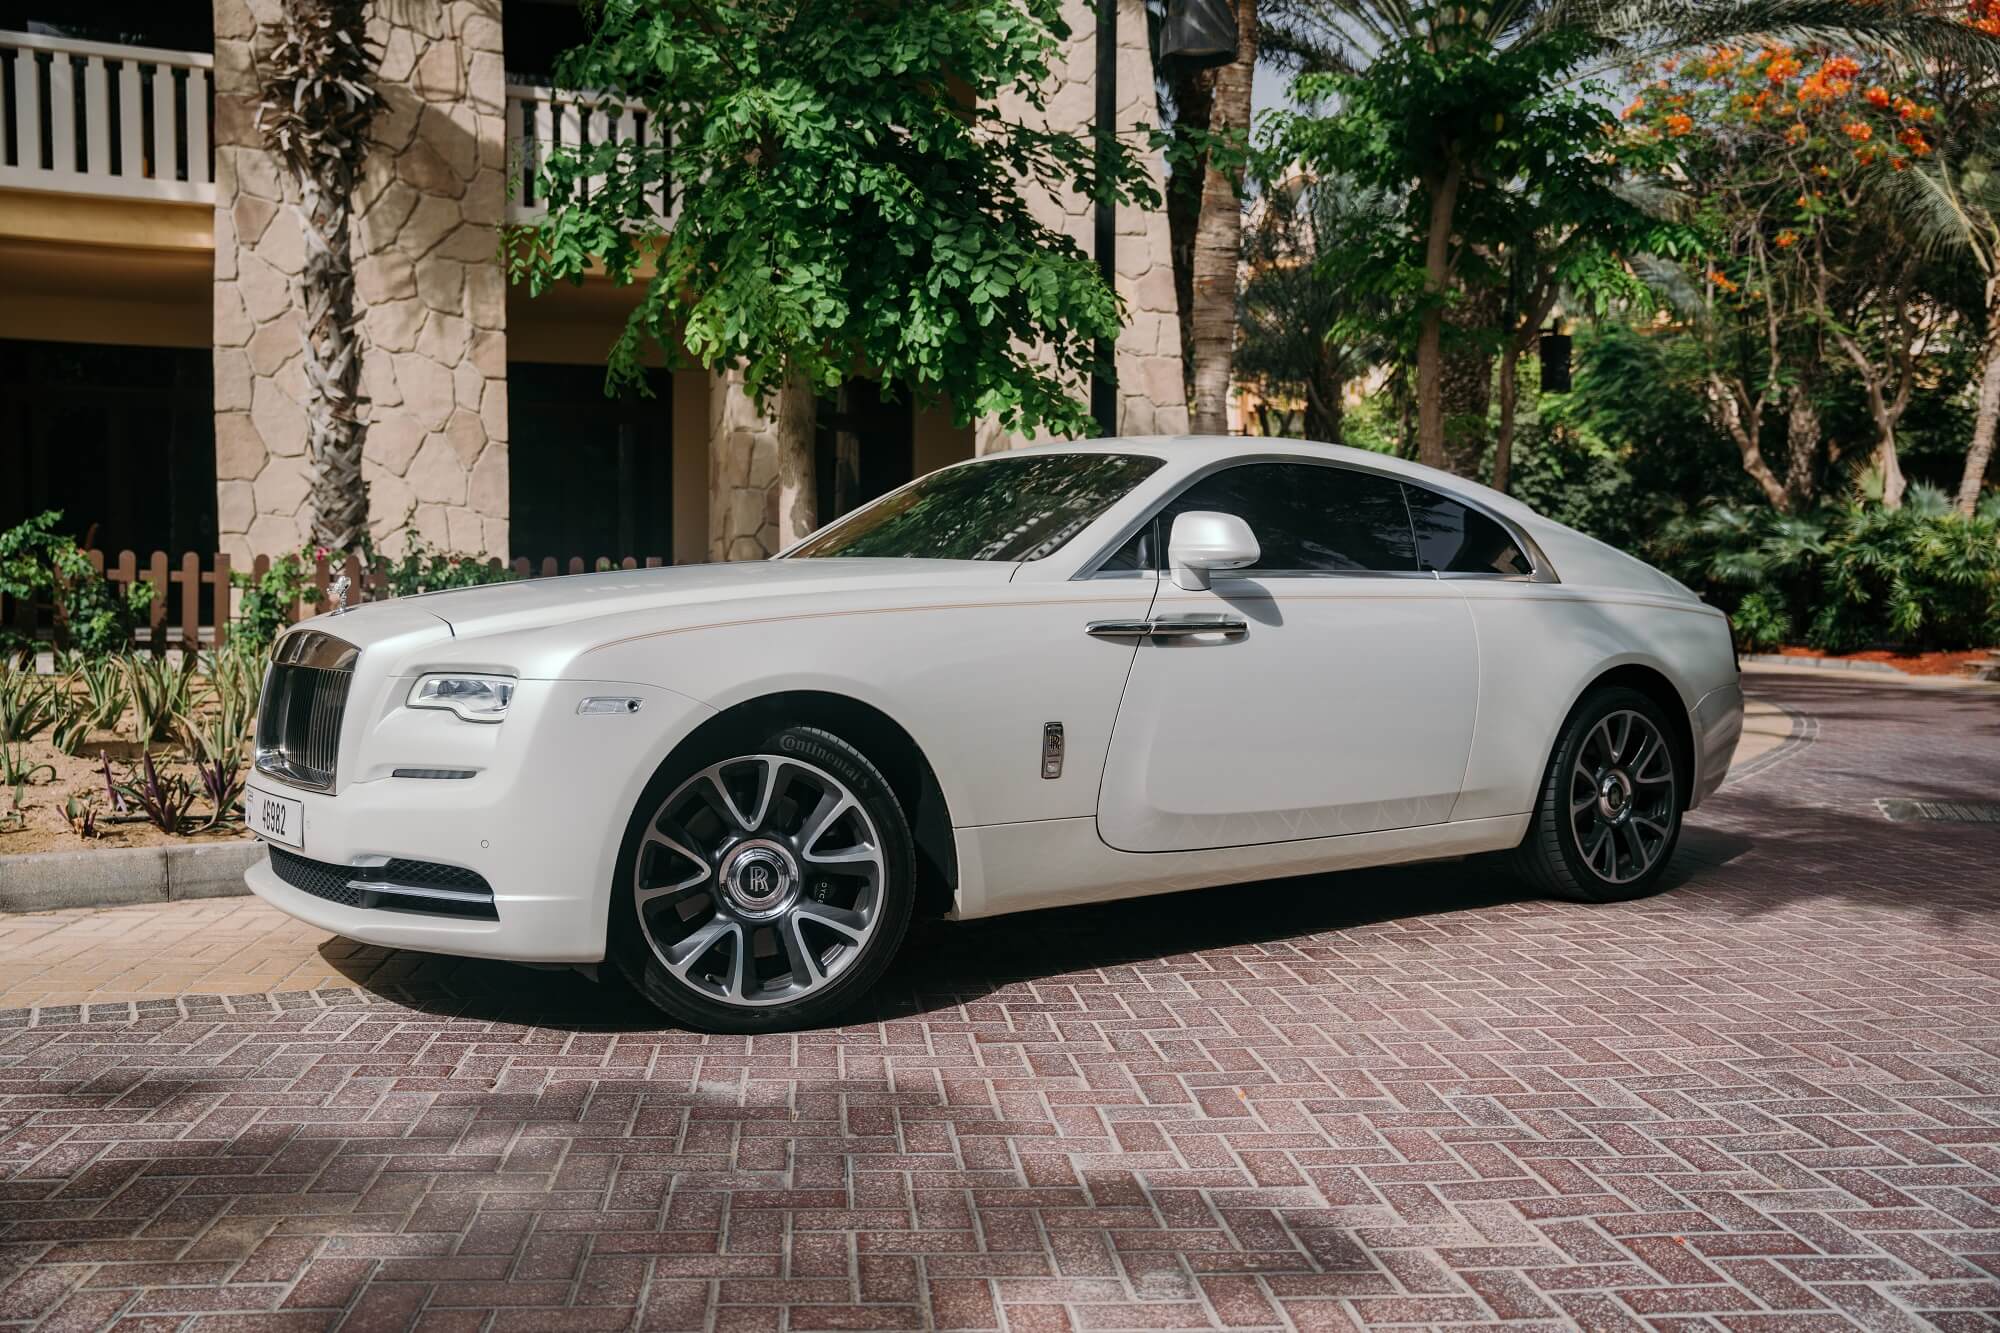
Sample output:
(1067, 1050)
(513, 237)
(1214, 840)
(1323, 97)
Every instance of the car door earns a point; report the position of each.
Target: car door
(1339, 697)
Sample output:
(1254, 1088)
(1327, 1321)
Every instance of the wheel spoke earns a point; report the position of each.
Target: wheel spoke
(1635, 848)
(832, 806)
(806, 971)
(840, 920)
(688, 952)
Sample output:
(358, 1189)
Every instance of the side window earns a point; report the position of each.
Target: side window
(1308, 518)
(1135, 555)
(1454, 539)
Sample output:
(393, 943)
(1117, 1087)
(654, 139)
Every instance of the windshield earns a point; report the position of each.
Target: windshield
(1001, 509)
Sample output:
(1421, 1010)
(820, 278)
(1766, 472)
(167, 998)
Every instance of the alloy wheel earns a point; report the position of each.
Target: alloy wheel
(1621, 797)
(758, 880)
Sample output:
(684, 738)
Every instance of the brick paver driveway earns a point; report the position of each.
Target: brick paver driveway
(1768, 1099)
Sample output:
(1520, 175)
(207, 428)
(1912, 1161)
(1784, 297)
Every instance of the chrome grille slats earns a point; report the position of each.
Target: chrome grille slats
(299, 715)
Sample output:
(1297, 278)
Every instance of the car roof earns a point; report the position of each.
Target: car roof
(1197, 451)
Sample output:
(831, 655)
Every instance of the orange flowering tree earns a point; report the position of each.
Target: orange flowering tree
(1788, 154)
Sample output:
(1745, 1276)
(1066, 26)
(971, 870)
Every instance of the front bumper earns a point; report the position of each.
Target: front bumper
(541, 820)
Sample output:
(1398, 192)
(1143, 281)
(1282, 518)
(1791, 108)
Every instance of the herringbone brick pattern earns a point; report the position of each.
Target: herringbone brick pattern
(1767, 1100)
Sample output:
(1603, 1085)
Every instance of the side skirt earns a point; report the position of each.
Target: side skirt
(1061, 862)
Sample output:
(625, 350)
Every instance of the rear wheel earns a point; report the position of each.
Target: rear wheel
(1608, 813)
(768, 888)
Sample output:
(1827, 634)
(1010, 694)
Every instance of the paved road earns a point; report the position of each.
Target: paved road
(1768, 1099)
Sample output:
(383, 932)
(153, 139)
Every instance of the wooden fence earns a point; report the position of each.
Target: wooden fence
(192, 603)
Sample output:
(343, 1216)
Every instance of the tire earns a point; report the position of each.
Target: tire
(1617, 752)
(763, 888)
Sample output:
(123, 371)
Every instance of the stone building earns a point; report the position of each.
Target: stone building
(150, 372)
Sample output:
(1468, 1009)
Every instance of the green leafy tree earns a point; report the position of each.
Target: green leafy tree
(850, 194)
(1464, 111)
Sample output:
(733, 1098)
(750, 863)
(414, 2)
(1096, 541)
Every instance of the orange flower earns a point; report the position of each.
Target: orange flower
(1721, 280)
(1877, 96)
(1638, 105)
(1787, 239)
(1678, 125)
(1720, 59)
(1795, 133)
(1914, 140)
(1781, 68)
(1858, 130)
(1840, 67)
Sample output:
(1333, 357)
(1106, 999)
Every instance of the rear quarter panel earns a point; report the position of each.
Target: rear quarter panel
(1542, 645)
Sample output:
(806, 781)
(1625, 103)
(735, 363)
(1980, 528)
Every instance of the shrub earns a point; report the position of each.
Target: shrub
(267, 602)
(1849, 577)
(40, 563)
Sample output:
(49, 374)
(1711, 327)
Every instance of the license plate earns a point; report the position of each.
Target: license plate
(275, 818)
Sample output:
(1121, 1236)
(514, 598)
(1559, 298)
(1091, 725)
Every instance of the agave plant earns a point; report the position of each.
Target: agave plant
(161, 691)
(27, 703)
(103, 682)
(18, 768)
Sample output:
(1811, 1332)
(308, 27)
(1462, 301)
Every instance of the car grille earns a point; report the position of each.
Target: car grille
(399, 885)
(304, 699)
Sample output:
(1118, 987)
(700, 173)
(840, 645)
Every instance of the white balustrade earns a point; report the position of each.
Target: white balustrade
(540, 120)
(98, 118)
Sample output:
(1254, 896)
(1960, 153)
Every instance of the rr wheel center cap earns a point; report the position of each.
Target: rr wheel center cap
(1614, 795)
(760, 879)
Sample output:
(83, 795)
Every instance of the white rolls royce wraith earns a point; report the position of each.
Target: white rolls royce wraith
(1052, 676)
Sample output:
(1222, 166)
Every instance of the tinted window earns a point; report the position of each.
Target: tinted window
(1457, 540)
(1307, 518)
(1001, 509)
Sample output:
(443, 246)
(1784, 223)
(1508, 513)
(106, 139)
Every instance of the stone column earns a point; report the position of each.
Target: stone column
(429, 289)
(428, 276)
(260, 429)
(757, 503)
(1152, 396)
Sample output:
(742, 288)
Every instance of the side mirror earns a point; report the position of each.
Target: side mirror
(1204, 541)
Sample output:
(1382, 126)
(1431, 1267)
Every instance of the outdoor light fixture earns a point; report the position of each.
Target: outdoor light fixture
(1199, 33)
(1555, 360)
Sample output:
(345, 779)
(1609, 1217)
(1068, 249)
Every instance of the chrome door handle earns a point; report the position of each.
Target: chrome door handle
(1176, 627)
(1169, 627)
(1119, 629)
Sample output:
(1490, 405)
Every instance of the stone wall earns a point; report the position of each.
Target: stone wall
(428, 284)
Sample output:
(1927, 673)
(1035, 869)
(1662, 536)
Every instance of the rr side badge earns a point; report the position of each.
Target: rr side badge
(1052, 749)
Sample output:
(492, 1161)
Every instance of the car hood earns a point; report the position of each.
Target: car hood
(529, 624)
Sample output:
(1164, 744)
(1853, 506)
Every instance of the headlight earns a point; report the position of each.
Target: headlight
(472, 698)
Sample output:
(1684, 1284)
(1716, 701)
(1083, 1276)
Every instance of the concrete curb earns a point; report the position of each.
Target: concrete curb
(119, 876)
(1820, 663)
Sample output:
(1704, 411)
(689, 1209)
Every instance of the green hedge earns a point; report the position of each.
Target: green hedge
(1922, 577)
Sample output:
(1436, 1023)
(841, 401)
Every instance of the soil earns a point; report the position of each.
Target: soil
(1915, 664)
(82, 776)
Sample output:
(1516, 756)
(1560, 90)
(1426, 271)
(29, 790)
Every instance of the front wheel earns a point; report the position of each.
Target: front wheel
(766, 889)
(1609, 809)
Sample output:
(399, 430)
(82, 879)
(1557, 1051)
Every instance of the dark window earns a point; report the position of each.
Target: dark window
(1000, 509)
(589, 476)
(1455, 539)
(120, 439)
(1308, 518)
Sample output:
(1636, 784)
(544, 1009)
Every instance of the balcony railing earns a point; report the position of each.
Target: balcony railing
(540, 120)
(93, 118)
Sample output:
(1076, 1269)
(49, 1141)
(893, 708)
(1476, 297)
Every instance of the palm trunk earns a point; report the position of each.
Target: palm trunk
(332, 362)
(1443, 192)
(1218, 240)
(1981, 452)
(1324, 406)
(317, 101)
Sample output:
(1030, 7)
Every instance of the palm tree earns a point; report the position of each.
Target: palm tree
(1584, 37)
(1299, 333)
(318, 99)
(1959, 205)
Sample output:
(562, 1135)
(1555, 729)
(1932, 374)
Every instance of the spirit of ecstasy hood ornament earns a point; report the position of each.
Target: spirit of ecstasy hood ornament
(339, 593)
